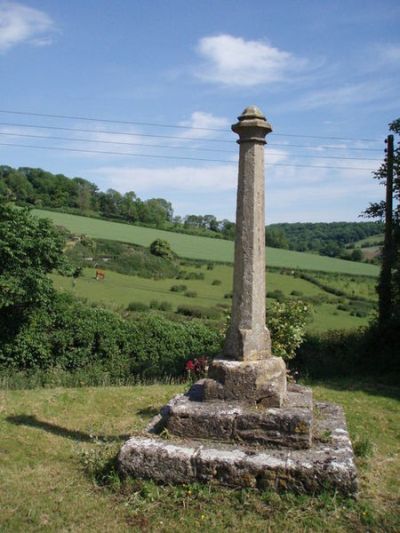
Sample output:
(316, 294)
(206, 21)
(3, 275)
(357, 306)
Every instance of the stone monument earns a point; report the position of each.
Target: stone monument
(244, 426)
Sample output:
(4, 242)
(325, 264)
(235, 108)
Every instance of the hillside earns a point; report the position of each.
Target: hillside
(201, 247)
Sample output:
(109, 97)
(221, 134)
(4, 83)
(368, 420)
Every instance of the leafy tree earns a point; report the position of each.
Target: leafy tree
(30, 248)
(161, 248)
(276, 238)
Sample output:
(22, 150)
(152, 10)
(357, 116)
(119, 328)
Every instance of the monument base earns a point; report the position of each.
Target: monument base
(260, 382)
(188, 416)
(327, 465)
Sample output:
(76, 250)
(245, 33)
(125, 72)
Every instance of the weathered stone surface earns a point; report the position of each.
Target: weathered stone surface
(236, 421)
(329, 464)
(262, 382)
(158, 460)
(247, 337)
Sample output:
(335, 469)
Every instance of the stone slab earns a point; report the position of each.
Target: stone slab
(328, 465)
(262, 382)
(289, 426)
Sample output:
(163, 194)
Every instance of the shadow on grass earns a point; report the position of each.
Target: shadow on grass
(33, 421)
(148, 412)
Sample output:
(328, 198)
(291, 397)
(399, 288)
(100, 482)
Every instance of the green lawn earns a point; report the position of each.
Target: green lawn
(200, 247)
(56, 444)
(119, 290)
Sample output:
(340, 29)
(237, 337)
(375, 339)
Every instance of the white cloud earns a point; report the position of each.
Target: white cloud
(234, 61)
(23, 24)
(178, 178)
(201, 125)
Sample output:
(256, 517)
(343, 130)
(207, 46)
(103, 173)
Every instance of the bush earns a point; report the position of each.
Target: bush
(216, 282)
(178, 288)
(191, 294)
(72, 336)
(165, 306)
(192, 275)
(287, 322)
(228, 295)
(137, 306)
(198, 312)
(277, 294)
(161, 248)
(210, 266)
(296, 293)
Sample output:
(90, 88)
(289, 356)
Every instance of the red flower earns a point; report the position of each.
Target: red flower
(189, 367)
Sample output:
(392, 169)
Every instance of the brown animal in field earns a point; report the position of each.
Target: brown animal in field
(100, 274)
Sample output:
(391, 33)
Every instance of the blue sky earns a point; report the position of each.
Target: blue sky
(316, 68)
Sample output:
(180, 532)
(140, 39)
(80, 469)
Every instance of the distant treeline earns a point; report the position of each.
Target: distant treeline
(36, 187)
(327, 238)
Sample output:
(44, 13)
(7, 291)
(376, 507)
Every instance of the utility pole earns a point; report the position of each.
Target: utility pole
(385, 289)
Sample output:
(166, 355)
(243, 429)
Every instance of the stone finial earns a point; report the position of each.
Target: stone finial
(252, 126)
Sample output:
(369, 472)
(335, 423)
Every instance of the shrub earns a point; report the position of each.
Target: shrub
(210, 266)
(165, 306)
(228, 295)
(216, 282)
(161, 248)
(287, 322)
(277, 294)
(191, 294)
(296, 293)
(194, 275)
(198, 312)
(178, 288)
(72, 336)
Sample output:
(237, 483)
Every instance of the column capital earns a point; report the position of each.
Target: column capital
(252, 126)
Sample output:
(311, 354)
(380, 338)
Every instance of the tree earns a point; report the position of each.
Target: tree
(389, 281)
(161, 248)
(276, 238)
(30, 248)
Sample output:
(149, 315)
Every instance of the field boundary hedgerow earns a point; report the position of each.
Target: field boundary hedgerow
(206, 248)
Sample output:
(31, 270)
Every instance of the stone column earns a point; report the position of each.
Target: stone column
(247, 370)
(248, 339)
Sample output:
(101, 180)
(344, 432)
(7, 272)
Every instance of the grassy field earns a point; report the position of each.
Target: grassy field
(119, 290)
(56, 445)
(200, 247)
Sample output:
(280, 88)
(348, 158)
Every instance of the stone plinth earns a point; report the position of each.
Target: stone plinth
(289, 426)
(260, 382)
(327, 465)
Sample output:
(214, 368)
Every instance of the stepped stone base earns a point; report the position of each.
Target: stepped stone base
(189, 417)
(328, 464)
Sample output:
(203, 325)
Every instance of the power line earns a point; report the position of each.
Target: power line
(180, 126)
(81, 130)
(127, 122)
(166, 146)
(179, 138)
(327, 147)
(155, 156)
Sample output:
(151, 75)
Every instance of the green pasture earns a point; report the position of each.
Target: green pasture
(118, 290)
(57, 473)
(200, 247)
(372, 239)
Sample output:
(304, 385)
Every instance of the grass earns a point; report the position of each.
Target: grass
(200, 247)
(57, 470)
(119, 290)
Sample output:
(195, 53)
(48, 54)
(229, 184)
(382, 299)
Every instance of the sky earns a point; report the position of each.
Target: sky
(142, 95)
